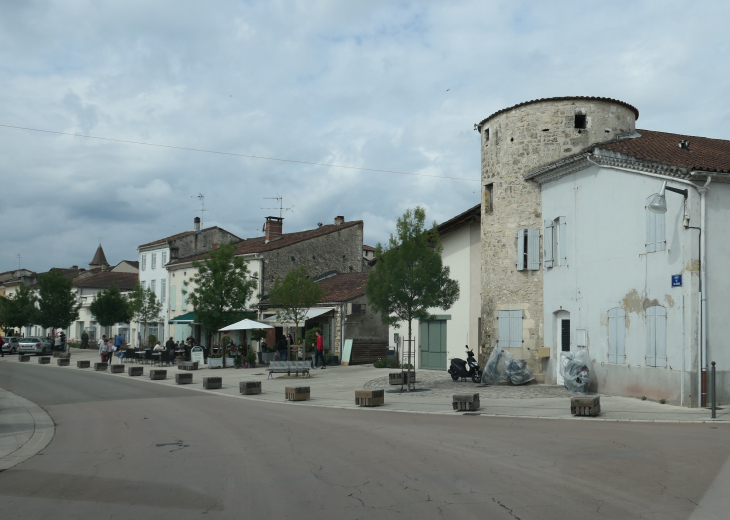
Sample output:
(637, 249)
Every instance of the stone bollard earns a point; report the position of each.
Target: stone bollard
(44, 360)
(158, 374)
(211, 383)
(135, 371)
(24, 358)
(401, 378)
(466, 402)
(250, 387)
(369, 397)
(65, 355)
(116, 369)
(187, 365)
(101, 367)
(296, 393)
(587, 406)
(83, 364)
(184, 379)
(57, 354)
(63, 362)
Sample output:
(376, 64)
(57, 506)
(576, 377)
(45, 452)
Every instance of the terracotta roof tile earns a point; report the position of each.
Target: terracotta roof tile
(124, 281)
(171, 237)
(368, 248)
(343, 287)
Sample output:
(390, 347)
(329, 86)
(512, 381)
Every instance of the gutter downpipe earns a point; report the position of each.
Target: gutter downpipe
(702, 321)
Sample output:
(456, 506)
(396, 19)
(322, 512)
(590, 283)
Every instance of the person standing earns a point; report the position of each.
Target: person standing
(319, 353)
(111, 350)
(170, 345)
(2, 344)
(103, 349)
(85, 340)
(283, 345)
(63, 341)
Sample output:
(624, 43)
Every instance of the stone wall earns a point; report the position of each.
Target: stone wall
(202, 242)
(513, 143)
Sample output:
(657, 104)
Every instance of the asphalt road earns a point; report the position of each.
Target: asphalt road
(125, 448)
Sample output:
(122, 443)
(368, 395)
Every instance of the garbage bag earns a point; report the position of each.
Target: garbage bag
(575, 367)
(519, 372)
(496, 370)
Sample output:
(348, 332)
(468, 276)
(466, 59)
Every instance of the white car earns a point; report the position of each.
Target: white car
(11, 344)
(35, 345)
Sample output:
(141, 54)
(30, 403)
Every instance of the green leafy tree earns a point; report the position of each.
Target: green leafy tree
(58, 305)
(409, 277)
(222, 289)
(111, 307)
(19, 310)
(294, 295)
(144, 307)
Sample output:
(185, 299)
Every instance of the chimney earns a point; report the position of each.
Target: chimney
(339, 220)
(273, 228)
(196, 224)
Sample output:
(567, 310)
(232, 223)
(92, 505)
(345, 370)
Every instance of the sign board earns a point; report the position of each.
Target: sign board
(346, 352)
(196, 354)
(676, 280)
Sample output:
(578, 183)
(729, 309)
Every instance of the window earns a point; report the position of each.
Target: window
(144, 262)
(510, 329)
(486, 135)
(144, 285)
(488, 196)
(655, 236)
(164, 259)
(617, 335)
(183, 301)
(656, 336)
(153, 286)
(163, 290)
(555, 243)
(154, 260)
(580, 121)
(528, 249)
(173, 297)
(565, 335)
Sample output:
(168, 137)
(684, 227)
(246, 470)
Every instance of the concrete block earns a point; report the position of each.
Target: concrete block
(401, 378)
(296, 393)
(101, 367)
(184, 379)
(369, 397)
(187, 365)
(158, 374)
(44, 360)
(543, 352)
(135, 371)
(63, 362)
(465, 402)
(586, 406)
(116, 369)
(211, 383)
(24, 358)
(250, 387)
(57, 354)
(83, 364)
(64, 355)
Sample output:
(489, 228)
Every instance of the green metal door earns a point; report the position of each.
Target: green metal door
(433, 345)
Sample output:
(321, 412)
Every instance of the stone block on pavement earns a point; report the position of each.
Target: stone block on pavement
(63, 362)
(56, 354)
(183, 379)
(187, 365)
(101, 367)
(116, 369)
(211, 383)
(369, 397)
(135, 371)
(587, 406)
(44, 360)
(401, 378)
(465, 402)
(296, 393)
(83, 363)
(250, 387)
(23, 358)
(158, 374)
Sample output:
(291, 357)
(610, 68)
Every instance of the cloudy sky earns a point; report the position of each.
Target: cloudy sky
(383, 85)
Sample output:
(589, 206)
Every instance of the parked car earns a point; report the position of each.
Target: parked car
(35, 345)
(11, 344)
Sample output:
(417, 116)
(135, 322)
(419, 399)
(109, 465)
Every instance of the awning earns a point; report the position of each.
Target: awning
(311, 313)
(188, 317)
(246, 325)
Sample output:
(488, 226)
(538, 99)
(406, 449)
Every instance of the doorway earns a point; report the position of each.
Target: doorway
(433, 345)
(562, 340)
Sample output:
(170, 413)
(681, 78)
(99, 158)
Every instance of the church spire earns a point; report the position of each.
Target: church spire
(99, 259)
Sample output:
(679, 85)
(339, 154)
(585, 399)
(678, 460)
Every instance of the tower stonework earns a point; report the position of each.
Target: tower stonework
(515, 141)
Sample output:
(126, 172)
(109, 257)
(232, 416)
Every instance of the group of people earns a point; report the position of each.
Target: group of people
(287, 341)
(110, 347)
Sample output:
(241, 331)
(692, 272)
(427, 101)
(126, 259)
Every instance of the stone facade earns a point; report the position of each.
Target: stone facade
(200, 242)
(514, 142)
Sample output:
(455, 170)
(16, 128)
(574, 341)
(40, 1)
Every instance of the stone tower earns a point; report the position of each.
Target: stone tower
(515, 141)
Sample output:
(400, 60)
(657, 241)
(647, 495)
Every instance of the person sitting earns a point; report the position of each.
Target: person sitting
(158, 347)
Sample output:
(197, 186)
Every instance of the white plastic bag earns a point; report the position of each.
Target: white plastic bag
(575, 367)
(495, 371)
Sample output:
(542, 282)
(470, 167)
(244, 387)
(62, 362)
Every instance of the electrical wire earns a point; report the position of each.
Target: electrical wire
(237, 154)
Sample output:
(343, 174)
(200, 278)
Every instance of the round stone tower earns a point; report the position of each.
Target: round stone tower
(514, 142)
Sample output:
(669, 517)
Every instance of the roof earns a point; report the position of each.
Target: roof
(703, 153)
(99, 257)
(470, 215)
(368, 248)
(171, 237)
(259, 245)
(104, 280)
(563, 98)
(343, 287)
(133, 263)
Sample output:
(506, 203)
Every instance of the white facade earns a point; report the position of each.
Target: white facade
(154, 275)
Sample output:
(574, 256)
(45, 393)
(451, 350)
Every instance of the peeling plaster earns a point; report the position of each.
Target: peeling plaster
(670, 301)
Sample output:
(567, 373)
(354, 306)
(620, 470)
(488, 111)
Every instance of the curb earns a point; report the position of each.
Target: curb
(43, 431)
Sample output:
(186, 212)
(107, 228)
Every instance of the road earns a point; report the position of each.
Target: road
(125, 448)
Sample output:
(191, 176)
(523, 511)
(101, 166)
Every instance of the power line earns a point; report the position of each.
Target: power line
(237, 154)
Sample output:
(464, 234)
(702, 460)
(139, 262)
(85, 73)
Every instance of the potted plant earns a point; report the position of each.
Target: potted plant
(215, 360)
(251, 358)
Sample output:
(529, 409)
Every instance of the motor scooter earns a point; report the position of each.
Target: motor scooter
(460, 369)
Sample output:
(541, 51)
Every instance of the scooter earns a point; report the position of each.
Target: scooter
(460, 369)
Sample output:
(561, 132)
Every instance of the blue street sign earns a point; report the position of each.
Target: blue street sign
(676, 280)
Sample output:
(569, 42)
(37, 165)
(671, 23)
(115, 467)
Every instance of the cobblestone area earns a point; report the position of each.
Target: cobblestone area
(441, 384)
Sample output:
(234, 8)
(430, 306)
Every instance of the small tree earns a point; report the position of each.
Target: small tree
(19, 310)
(222, 290)
(144, 306)
(294, 295)
(110, 307)
(58, 306)
(409, 277)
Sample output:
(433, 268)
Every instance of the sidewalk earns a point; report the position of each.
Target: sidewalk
(25, 429)
(335, 387)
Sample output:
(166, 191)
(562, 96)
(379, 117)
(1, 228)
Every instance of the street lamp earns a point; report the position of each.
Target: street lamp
(658, 201)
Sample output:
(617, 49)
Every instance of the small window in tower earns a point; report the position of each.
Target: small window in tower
(580, 121)
(488, 196)
(486, 134)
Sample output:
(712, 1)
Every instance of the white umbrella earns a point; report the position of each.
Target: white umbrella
(246, 325)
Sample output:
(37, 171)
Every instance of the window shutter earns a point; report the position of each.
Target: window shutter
(650, 231)
(521, 250)
(163, 290)
(533, 249)
(173, 297)
(650, 337)
(661, 336)
(620, 335)
(183, 301)
(547, 244)
(612, 335)
(515, 329)
(504, 329)
(562, 242)
(659, 238)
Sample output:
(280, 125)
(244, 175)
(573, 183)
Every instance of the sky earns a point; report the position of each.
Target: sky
(383, 85)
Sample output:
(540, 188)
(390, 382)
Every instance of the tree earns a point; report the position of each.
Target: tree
(58, 305)
(409, 277)
(110, 307)
(19, 310)
(223, 289)
(294, 295)
(144, 306)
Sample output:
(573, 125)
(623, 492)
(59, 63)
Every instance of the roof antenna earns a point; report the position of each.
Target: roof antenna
(18, 255)
(202, 209)
(281, 207)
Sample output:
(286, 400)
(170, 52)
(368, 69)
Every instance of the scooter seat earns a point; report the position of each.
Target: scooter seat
(457, 361)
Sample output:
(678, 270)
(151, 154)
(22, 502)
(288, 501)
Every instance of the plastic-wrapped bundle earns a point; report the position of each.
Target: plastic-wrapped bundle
(519, 372)
(495, 371)
(575, 367)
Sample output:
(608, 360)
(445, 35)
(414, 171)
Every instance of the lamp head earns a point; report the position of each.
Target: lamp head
(658, 201)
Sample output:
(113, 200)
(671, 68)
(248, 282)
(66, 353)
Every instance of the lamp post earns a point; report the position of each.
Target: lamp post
(658, 202)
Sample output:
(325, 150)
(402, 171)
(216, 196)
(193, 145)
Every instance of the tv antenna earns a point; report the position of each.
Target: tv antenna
(202, 209)
(18, 255)
(281, 207)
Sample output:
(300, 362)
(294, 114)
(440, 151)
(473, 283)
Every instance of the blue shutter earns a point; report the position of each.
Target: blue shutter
(547, 244)
(651, 336)
(504, 328)
(661, 336)
(521, 250)
(620, 335)
(659, 236)
(650, 230)
(533, 249)
(612, 335)
(562, 242)
(515, 329)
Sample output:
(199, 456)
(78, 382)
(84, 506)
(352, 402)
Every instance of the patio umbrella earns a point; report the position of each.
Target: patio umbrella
(246, 325)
